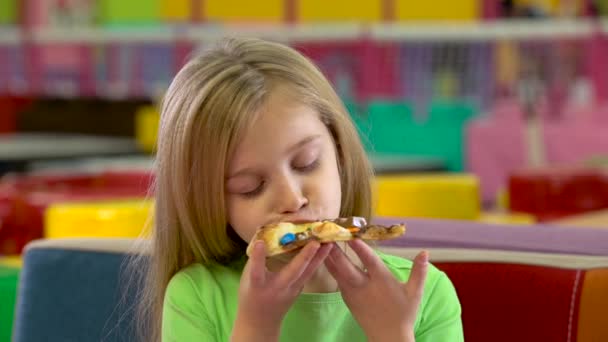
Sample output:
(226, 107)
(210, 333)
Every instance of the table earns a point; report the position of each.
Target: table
(17, 151)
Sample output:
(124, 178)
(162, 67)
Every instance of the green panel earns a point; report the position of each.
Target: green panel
(8, 12)
(446, 124)
(451, 112)
(129, 13)
(9, 278)
(390, 126)
(392, 129)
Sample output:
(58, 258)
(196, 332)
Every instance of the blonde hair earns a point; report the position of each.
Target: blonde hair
(209, 104)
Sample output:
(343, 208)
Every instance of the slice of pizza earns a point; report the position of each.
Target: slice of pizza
(284, 237)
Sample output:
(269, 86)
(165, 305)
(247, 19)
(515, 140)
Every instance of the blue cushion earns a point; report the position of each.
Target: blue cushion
(74, 295)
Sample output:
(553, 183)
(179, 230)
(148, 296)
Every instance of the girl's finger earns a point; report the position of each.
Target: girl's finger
(370, 260)
(321, 255)
(415, 283)
(257, 264)
(343, 270)
(296, 267)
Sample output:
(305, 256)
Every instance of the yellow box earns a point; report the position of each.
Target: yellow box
(468, 10)
(339, 10)
(445, 196)
(117, 219)
(147, 120)
(507, 218)
(244, 10)
(12, 261)
(176, 10)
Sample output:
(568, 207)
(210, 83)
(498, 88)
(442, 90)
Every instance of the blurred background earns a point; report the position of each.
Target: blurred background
(480, 110)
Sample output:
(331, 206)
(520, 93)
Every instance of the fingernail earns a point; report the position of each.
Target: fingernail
(424, 257)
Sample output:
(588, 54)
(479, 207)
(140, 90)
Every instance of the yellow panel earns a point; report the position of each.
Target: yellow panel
(449, 196)
(146, 127)
(339, 10)
(244, 10)
(119, 219)
(175, 10)
(437, 10)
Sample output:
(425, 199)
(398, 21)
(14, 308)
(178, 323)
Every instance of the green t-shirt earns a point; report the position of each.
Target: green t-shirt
(201, 303)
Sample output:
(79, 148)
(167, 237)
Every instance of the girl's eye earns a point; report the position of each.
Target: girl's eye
(308, 160)
(254, 192)
(308, 167)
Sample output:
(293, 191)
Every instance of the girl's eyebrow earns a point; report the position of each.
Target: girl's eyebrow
(292, 148)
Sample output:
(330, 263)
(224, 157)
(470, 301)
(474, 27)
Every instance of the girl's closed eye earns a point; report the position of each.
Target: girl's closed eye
(307, 161)
(254, 192)
(246, 187)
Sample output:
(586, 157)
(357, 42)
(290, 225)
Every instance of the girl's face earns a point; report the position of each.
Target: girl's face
(284, 169)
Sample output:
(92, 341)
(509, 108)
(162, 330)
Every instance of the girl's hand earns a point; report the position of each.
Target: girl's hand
(385, 308)
(265, 297)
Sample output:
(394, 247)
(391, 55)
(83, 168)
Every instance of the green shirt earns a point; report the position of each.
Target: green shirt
(201, 302)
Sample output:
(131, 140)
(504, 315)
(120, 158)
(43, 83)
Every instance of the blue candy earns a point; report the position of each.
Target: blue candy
(287, 239)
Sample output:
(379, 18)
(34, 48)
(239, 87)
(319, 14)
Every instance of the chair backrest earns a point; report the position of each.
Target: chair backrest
(75, 290)
(524, 296)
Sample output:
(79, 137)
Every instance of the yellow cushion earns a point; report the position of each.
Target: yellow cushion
(127, 219)
(468, 10)
(175, 10)
(339, 10)
(244, 10)
(449, 196)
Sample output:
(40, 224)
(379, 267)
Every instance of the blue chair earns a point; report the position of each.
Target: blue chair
(74, 290)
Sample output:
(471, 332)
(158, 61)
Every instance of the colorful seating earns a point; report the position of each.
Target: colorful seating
(536, 289)
(548, 297)
(448, 196)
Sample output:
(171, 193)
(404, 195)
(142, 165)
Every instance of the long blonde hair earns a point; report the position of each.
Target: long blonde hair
(207, 107)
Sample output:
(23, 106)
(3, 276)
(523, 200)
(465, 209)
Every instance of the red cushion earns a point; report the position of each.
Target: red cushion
(512, 302)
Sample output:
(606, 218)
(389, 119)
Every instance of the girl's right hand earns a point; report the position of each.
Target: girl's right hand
(265, 297)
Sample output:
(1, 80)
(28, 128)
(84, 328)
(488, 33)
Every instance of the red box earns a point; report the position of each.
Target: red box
(24, 199)
(558, 192)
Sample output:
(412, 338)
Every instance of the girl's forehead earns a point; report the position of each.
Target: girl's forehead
(277, 127)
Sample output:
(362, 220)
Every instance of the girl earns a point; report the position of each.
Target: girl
(251, 133)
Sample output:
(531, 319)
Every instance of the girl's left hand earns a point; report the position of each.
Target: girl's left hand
(385, 308)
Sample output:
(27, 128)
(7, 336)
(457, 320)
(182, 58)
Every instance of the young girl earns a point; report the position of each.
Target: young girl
(251, 133)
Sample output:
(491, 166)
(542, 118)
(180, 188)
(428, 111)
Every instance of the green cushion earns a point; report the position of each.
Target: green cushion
(447, 111)
(9, 278)
(390, 126)
(132, 12)
(8, 12)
